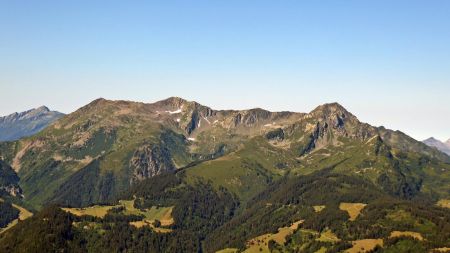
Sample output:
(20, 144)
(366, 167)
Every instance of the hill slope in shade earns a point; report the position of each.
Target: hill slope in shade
(23, 124)
(442, 146)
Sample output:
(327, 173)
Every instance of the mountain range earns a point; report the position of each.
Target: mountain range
(223, 180)
(442, 146)
(23, 124)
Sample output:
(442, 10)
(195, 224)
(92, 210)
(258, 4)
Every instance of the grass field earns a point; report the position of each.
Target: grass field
(353, 209)
(328, 236)
(228, 250)
(444, 203)
(96, 211)
(415, 235)
(143, 223)
(364, 245)
(318, 208)
(260, 243)
(321, 250)
(163, 214)
(444, 249)
(23, 214)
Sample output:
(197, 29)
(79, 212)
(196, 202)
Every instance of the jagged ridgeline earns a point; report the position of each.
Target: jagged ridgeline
(229, 176)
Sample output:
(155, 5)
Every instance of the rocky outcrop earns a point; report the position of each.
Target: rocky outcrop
(150, 160)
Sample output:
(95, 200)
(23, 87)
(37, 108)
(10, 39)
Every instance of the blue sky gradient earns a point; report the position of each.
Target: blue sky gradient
(388, 62)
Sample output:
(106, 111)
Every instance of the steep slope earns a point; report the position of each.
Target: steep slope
(442, 146)
(23, 124)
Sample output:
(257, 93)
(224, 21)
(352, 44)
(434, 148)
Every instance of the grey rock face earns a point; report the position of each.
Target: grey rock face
(23, 124)
(150, 160)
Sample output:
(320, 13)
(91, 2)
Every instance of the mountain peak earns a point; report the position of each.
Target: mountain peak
(335, 106)
(42, 108)
(431, 139)
(173, 101)
(442, 146)
(332, 110)
(21, 124)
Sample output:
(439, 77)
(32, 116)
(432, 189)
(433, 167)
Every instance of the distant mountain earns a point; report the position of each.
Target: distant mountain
(23, 124)
(442, 146)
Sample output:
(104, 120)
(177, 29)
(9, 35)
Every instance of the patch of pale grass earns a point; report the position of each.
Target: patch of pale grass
(318, 208)
(328, 236)
(364, 245)
(96, 211)
(444, 203)
(261, 243)
(163, 214)
(444, 249)
(228, 250)
(353, 209)
(23, 215)
(414, 235)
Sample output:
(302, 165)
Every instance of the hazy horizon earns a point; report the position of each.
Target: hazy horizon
(386, 62)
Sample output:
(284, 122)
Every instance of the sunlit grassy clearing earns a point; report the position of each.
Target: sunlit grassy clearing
(364, 245)
(163, 214)
(353, 209)
(444, 203)
(414, 235)
(318, 208)
(23, 214)
(328, 236)
(260, 243)
(96, 211)
(228, 250)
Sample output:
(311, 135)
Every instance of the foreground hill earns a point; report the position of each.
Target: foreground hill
(228, 177)
(23, 124)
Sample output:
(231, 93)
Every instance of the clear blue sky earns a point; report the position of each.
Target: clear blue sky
(388, 62)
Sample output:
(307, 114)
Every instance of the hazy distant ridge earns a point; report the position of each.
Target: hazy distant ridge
(18, 125)
(442, 146)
